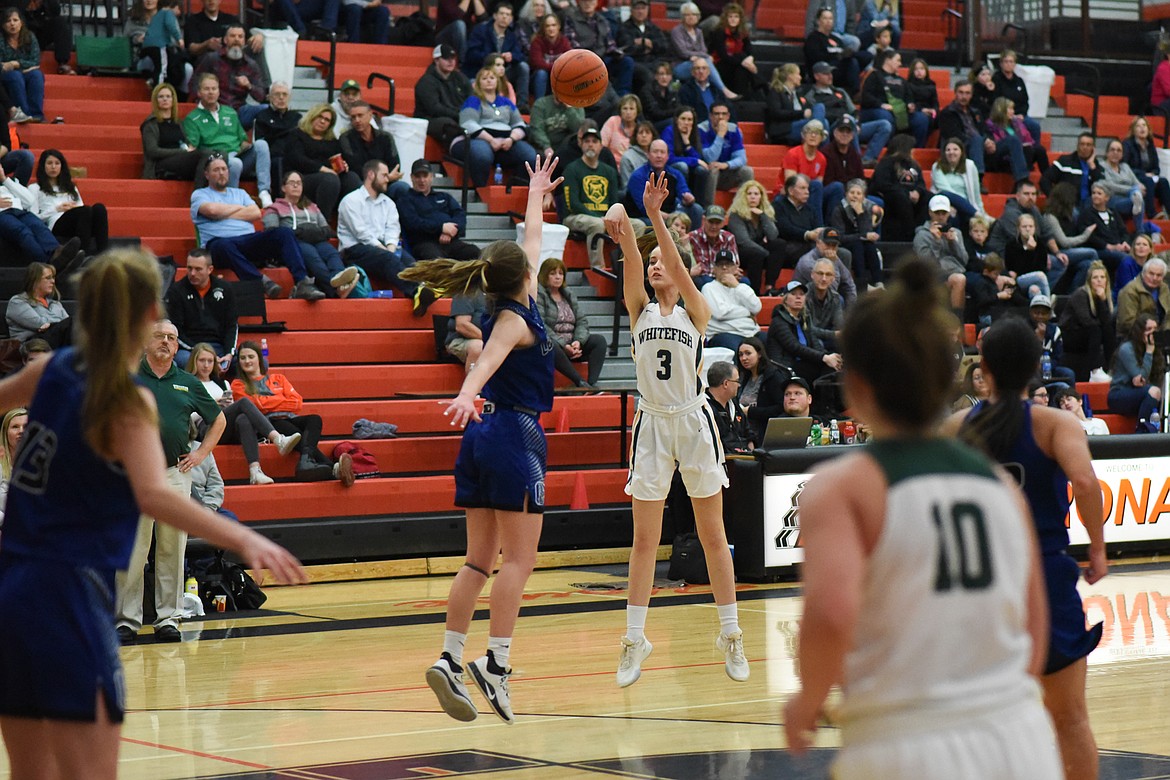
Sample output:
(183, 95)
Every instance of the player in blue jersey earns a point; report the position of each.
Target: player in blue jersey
(1046, 451)
(674, 428)
(923, 592)
(89, 463)
(499, 474)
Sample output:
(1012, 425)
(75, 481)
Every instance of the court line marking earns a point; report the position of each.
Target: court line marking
(196, 753)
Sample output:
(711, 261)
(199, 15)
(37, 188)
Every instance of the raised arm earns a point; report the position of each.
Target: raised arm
(540, 183)
(620, 229)
(697, 307)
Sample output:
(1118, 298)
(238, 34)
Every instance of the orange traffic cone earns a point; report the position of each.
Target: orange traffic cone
(580, 494)
(563, 422)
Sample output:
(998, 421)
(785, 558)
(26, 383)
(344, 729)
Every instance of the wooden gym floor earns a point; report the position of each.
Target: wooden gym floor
(326, 683)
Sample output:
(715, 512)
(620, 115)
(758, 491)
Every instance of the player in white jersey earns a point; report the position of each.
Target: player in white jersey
(674, 428)
(923, 593)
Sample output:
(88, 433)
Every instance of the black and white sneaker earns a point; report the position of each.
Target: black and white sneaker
(446, 680)
(492, 682)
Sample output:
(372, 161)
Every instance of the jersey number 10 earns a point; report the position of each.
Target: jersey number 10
(964, 557)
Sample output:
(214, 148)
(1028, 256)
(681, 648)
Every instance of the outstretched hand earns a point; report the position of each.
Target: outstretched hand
(540, 179)
(615, 222)
(261, 554)
(656, 192)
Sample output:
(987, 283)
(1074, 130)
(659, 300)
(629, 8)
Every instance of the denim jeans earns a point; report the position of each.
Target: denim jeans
(299, 14)
(322, 262)
(247, 254)
(255, 160)
(27, 90)
(357, 17)
(919, 122)
(484, 160)
(28, 233)
(383, 266)
(875, 135)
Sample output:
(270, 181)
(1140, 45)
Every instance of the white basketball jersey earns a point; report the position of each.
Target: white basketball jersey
(668, 356)
(942, 628)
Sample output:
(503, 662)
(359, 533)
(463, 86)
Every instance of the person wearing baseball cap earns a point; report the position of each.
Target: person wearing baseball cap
(349, 94)
(828, 247)
(734, 304)
(943, 245)
(443, 89)
(791, 341)
(797, 398)
(706, 241)
(433, 221)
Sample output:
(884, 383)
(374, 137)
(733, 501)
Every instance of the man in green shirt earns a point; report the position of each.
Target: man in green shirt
(591, 187)
(178, 395)
(213, 127)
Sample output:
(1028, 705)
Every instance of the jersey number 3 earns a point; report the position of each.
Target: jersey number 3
(664, 365)
(964, 556)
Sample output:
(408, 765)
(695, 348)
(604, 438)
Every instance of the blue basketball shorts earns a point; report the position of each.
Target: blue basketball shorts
(502, 463)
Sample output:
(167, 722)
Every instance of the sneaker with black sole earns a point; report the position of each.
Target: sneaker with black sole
(272, 290)
(734, 660)
(630, 662)
(492, 682)
(423, 298)
(127, 636)
(167, 634)
(306, 289)
(446, 680)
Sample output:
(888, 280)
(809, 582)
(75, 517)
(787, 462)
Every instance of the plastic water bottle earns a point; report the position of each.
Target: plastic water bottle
(1046, 366)
(499, 175)
(834, 432)
(264, 349)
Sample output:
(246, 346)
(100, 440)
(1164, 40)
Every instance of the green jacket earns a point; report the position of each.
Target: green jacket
(551, 123)
(590, 191)
(203, 133)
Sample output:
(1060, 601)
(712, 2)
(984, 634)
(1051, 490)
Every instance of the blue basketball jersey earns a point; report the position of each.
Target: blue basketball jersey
(65, 502)
(525, 379)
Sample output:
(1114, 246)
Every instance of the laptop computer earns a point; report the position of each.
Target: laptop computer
(786, 433)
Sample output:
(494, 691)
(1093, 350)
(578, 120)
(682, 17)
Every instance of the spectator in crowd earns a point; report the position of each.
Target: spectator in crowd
(204, 32)
(822, 44)
(1005, 229)
(680, 199)
(1070, 400)
(992, 293)
(591, 187)
(797, 222)
(618, 131)
(223, 217)
(365, 141)
(203, 310)
(1139, 365)
(722, 148)
(679, 222)
(433, 222)
(957, 178)
(698, 90)
(367, 21)
(962, 120)
(660, 97)
(923, 90)
(1160, 86)
(276, 123)
(349, 94)
(21, 227)
(734, 306)
(528, 20)
(828, 247)
(898, 181)
(587, 29)
(973, 389)
(1111, 237)
(177, 395)
(1142, 157)
(1147, 295)
(1127, 194)
(983, 92)
(761, 386)
(879, 15)
(885, 95)
(16, 161)
(370, 235)
(786, 112)
(11, 431)
(645, 42)
(752, 221)
(440, 94)
(1059, 222)
(34, 350)
(568, 328)
(60, 207)
(797, 398)
(883, 41)
(37, 311)
(553, 123)
(453, 19)
(295, 211)
(1041, 314)
(570, 149)
(314, 152)
(1026, 259)
(1141, 250)
(276, 397)
(213, 127)
(689, 47)
(52, 30)
(499, 36)
(943, 245)
(21, 74)
(686, 151)
(808, 160)
(838, 105)
(464, 336)
(549, 43)
(494, 131)
(163, 45)
(166, 152)
(857, 218)
(1003, 123)
(497, 63)
(731, 49)
(843, 162)
(730, 418)
(975, 240)
(1088, 325)
(301, 13)
(1079, 168)
(638, 153)
(791, 342)
(240, 76)
(706, 242)
(826, 308)
(1011, 86)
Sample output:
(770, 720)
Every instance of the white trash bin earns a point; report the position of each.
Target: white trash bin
(280, 54)
(410, 136)
(1038, 79)
(552, 240)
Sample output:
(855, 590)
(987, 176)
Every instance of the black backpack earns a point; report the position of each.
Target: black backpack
(687, 561)
(217, 577)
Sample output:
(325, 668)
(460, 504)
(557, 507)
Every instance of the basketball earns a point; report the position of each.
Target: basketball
(579, 78)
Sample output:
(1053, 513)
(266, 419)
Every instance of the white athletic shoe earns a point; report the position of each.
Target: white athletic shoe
(630, 663)
(258, 477)
(735, 662)
(446, 680)
(1099, 375)
(286, 444)
(265, 199)
(493, 685)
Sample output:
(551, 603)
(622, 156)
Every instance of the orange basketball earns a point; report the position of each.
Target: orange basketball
(579, 78)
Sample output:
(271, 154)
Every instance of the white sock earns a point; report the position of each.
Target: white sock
(453, 643)
(728, 618)
(501, 647)
(636, 622)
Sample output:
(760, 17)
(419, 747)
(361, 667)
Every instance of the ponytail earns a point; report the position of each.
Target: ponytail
(1011, 354)
(501, 270)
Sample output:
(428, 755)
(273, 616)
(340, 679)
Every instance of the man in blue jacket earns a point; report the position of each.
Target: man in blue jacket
(724, 151)
(680, 199)
(433, 221)
(499, 36)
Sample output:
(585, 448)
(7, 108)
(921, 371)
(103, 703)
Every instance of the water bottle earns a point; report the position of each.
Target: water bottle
(834, 432)
(264, 349)
(1046, 366)
(499, 175)
(1155, 422)
(814, 436)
